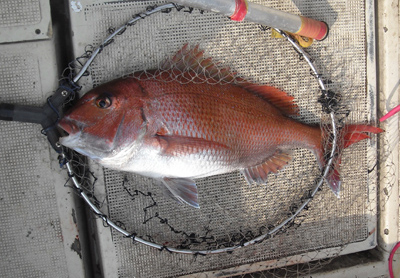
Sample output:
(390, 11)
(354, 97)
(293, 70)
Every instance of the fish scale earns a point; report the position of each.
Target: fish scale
(244, 122)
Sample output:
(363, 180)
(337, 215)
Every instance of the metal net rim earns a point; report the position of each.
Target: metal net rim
(76, 184)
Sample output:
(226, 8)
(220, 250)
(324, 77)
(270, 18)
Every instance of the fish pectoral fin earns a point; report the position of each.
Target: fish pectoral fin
(259, 173)
(181, 145)
(182, 189)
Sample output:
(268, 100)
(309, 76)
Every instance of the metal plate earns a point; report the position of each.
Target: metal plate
(39, 234)
(24, 20)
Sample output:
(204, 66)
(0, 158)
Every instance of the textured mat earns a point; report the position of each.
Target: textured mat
(230, 209)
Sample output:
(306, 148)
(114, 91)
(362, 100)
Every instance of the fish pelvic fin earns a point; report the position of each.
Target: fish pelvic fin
(259, 173)
(184, 190)
(348, 136)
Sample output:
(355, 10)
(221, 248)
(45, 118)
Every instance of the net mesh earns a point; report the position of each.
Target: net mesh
(233, 212)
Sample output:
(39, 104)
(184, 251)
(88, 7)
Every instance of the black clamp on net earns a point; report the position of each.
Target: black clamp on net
(47, 116)
(329, 101)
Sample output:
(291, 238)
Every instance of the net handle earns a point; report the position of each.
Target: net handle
(258, 239)
(239, 10)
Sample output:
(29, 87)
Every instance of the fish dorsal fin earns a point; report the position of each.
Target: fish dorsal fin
(192, 60)
(190, 64)
(276, 97)
(259, 173)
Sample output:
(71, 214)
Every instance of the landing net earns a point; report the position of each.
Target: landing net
(288, 220)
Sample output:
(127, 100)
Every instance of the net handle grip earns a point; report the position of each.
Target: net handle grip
(30, 114)
(21, 113)
(47, 115)
(240, 10)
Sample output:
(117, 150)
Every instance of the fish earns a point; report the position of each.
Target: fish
(192, 118)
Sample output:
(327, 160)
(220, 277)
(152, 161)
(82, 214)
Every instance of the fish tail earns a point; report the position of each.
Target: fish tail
(348, 136)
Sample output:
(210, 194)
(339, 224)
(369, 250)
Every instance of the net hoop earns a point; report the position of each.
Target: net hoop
(78, 187)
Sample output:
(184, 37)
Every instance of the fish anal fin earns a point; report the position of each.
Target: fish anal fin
(276, 97)
(182, 189)
(181, 145)
(277, 161)
(259, 173)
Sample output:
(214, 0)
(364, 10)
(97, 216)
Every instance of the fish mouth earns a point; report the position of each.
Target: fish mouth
(84, 143)
(73, 130)
(69, 126)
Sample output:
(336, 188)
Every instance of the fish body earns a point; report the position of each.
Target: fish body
(180, 123)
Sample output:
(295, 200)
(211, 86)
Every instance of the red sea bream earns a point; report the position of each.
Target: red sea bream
(189, 120)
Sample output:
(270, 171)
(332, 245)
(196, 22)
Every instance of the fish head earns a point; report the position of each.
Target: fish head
(105, 120)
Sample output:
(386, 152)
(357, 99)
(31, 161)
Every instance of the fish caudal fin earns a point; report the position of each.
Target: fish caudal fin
(349, 135)
(182, 189)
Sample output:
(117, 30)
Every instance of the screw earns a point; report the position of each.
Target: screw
(386, 231)
(58, 145)
(64, 93)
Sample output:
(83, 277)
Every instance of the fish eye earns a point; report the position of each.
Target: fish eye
(103, 102)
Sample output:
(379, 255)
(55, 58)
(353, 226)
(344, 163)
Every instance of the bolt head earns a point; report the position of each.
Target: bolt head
(386, 231)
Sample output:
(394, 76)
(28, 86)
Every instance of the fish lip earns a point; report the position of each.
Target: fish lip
(73, 129)
(70, 126)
